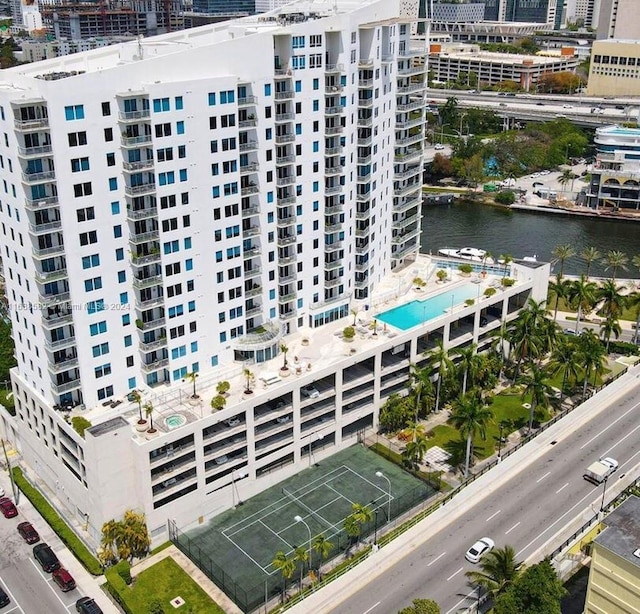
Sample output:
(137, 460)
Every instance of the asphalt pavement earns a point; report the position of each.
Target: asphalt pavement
(530, 501)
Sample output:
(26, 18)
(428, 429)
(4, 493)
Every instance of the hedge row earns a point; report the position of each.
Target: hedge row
(60, 527)
(119, 589)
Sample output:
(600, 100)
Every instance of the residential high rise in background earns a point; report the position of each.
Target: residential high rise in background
(538, 11)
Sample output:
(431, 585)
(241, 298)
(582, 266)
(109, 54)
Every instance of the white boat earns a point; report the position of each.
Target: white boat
(467, 253)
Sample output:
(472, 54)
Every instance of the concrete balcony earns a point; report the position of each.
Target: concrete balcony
(334, 68)
(410, 172)
(134, 116)
(46, 277)
(253, 272)
(146, 259)
(248, 146)
(254, 167)
(285, 117)
(410, 123)
(333, 209)
(150, 303)
(155, 365)
(252, 231)
(47, 252)
(30, 152)
(250, 211)
(134, 167)
(334, 170)
(337, 110)
(404, 206)
(405, 237)
(135, 141)
(66, 386)
(403, 253)
(51, 322)
(412, 87)
(285, 95)
(365, 122)
(407, 189)
(334, 151)
(408, 156)
(283, 160)
(286, 200)
(247, 254)
(283, 222)
(37, 204)
(64, 365)
(288, 315)
(247, 101)
(410, 140)
(412, 70)
(284, 181)
(285, 138)
(286, 240)
(60, 343)
(333, 247)
(41, 229)
(50, 300)
(329, 130)
(411, 106)
(365, 83)
(334, 189)
(144, 237)
(31, 124)
(32, 178)
(249, 189)
(152, 324)
(365, 62)
(404, 222)
(139, 190)
(247, 123)
(142, 214)
(147, 282)
(365, 103)
(153, 345)
(333, 89)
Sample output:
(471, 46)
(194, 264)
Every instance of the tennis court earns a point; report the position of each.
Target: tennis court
(323, 504)
(236, 548)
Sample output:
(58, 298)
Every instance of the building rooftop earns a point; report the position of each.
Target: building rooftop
(622, 535)
(466, 51)
(175, 42)
(310, 351)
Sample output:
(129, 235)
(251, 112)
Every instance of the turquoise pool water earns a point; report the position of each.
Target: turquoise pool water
(416, 312)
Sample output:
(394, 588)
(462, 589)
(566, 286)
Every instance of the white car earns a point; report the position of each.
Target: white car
(567, 106)
(310, 392)
(221, 460)
(232, 421)
(612, 462)
(283, 419)
(438, 146)
(479, 549)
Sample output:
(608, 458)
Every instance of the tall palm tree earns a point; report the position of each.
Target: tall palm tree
(593, 357)
(498, 569)
(613, 301)
(323, 547)
(467, 364)
(565, 360)
(615, 260)
(536, 386)
(471, 417)
(505, 259)
(635, 261)
(529, 333)
(567, 176)
(422, 387)
(360, 515)
(287, 567)
(502, 344)
(562, 253)
(582, 295)
(301, 555)
(440, 363)
(589, 255)
(136, 397)
(414, 452)
(610, 326)
(560, 290)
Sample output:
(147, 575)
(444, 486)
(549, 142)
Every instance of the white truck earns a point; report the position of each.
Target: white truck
(599, 471)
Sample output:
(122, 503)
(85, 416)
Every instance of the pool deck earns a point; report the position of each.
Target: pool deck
(310, 350)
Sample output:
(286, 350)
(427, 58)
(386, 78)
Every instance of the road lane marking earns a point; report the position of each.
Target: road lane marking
(543, 477)
(471, 595)
(455, 574)
(562, 488)
(436, 559)
(619, 442)
(375, 605)
(493, 515)
(606, 428)
(49, 584)
(512, 528)
(13, 599)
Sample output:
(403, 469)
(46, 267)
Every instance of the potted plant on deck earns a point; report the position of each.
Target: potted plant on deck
(222, 388)
(249, 379)
(284, 369)
(148, 411)
(192, 377)
(348, 333)
(136, 397)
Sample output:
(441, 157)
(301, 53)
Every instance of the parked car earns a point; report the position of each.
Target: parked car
(479, 549)
(310, 392)
(86, 605)
(8, 508)
(28, 533)
(64, 580)
(438, 146)
(46, 557)
(232, 421)
(283, 419)
(4, 598)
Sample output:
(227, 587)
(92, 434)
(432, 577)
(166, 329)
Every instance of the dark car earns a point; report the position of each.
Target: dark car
(46, 557)
(8, 508)
(28, 533)
(4, 598)
(86, 605)
(63, 579)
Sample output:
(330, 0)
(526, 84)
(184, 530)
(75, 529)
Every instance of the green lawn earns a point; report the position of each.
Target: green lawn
(164, 581)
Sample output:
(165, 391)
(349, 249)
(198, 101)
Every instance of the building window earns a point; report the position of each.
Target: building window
(106, 109)
(74, 112)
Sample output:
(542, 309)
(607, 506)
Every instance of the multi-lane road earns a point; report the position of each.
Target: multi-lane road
(528, 502)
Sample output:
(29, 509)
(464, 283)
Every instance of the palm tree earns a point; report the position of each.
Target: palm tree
(421, 385)
(613, 301)
(537, 388)
(148, 412)
(471, 417)
(301, 555)
(192, 377)
(560, 289)
(440, 362)
(502, 340)
(287, 567)
(589, 255)
(568, 176)
(529, 333)
(566, 361)
(498, 570)
(359, 516)
(562, 253)
(284, 349)
(354, 313)
(635, 261)
(582, 295)
(323, 547)
(505, 259)
(249, 378)
(467, 364)
(593, 357)
(615, 260)
(414, 452)
(611, 326)
(136, 397)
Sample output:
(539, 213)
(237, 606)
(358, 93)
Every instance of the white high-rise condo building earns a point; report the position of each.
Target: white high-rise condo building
(212, 203)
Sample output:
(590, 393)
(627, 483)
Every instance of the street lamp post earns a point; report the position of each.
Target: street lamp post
(301, 519)
(500, 443)
(382, 475)
(375, 526)
(604, 490)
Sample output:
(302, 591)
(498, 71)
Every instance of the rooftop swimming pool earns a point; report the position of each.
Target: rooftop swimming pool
(411, 314)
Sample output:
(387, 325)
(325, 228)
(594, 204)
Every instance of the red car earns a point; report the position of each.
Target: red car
(28, 533)
(63, 579)
(7, 508)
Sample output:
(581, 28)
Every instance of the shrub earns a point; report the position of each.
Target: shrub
(223, 387)
(123, 568)
(465, 268)
(508, 282)
(349, 332)
(489, 292)
(469, 302)
(218, 402)
(155, 607)
(62, 530)
(80, 425)
(441, 274)
(505, 198)
(623, 347)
